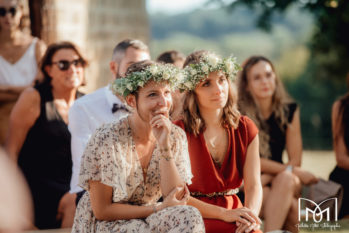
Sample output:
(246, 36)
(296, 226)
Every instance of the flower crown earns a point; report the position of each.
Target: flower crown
(210, 62)
(156, 72)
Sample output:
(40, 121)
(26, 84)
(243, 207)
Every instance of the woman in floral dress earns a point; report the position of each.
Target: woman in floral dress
(128, 165)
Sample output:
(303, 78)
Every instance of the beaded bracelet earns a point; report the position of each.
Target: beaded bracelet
(164, 154)
(167, 157)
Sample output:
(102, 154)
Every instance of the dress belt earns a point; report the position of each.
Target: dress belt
(229, 192)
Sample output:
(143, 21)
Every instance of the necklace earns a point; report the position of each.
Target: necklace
(217, 146)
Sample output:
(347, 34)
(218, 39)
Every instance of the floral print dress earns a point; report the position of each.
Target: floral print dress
(111, 158)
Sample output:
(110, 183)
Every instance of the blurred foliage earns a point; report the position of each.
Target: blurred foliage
(306, 39)
(324, 75)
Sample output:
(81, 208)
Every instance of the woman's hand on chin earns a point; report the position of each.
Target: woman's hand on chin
(161, 127)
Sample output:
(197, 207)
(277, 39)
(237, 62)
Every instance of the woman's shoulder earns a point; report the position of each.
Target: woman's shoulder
(115, 130)
(290, 109)
(245, 122)
(247, 127)
(30, 96)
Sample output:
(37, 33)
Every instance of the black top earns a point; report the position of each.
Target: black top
(277, 134)
(45, 160)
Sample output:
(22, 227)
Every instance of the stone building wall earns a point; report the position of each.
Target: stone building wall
(96, 26)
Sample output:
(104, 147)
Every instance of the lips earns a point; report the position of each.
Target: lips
(218, 99)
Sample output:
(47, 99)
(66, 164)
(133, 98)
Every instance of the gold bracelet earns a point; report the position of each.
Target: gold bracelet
(164, 150)
(167, 157)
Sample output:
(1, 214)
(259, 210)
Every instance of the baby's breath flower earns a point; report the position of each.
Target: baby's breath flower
(196, 73)
(154, 72)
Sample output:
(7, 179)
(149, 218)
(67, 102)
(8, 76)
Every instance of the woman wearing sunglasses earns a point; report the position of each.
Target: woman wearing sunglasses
(39, 139)
(19, 57)
(223, 146)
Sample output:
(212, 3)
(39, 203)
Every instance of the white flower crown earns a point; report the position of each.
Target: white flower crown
(156, 72)
(210, 62)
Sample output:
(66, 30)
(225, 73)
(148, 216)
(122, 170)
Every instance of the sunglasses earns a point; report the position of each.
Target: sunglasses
(11, 10)
(65, 65)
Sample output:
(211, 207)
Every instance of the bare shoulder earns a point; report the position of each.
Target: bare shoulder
(40, 49)
(30, 98)
(335, 107)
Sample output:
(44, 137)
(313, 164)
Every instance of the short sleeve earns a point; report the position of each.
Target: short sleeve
(102, 162)
(292, 107)
(251, 129)
(181, 154)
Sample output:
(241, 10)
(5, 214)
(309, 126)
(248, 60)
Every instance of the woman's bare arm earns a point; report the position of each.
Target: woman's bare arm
(294, 141)
(340, 150)
(22, 118)
(252, 180)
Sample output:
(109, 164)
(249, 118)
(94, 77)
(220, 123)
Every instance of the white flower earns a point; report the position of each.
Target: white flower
(204, 68)
(193, 72)
(140, 83)
(179, 77)
(129, 86)
(188, 84)
(166, 76)
(212, 60)
(153, 70)
(229, 66)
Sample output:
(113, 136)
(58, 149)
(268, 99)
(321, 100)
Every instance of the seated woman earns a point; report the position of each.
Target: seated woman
(39, 139)
(263, 98)
(340, 129)
(223, 146)
(20, 54)
(129, 164)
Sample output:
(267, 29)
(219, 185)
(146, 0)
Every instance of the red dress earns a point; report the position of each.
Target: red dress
(210, 178)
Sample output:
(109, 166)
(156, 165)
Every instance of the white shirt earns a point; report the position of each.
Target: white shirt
(86, 115)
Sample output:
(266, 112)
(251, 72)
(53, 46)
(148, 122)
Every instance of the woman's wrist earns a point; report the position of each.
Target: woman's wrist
(165, 153)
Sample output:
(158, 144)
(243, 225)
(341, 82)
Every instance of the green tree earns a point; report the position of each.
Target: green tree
(323, 78)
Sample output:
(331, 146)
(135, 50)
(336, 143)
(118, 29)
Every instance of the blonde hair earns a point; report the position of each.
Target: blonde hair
(248, 106)
(193, 121)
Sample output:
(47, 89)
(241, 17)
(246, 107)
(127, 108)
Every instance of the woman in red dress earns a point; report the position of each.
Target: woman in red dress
(223, 146)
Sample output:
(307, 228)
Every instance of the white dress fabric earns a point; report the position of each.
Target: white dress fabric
(110, 157)
(86, 115)
(21, 73)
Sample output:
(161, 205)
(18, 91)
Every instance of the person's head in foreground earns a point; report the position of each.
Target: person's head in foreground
(16, 211)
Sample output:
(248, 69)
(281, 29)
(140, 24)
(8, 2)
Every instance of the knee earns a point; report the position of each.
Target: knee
(190, 217)
(286, 181)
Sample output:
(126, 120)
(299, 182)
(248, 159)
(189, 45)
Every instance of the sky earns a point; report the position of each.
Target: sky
(173, 7)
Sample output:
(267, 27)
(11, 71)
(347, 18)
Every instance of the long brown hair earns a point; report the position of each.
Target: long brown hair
(248, 106)
(193, 121)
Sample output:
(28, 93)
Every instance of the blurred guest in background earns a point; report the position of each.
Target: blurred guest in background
(20, 54)
(176, 58)
(263, 98)
(39, 138)
(340, 131)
